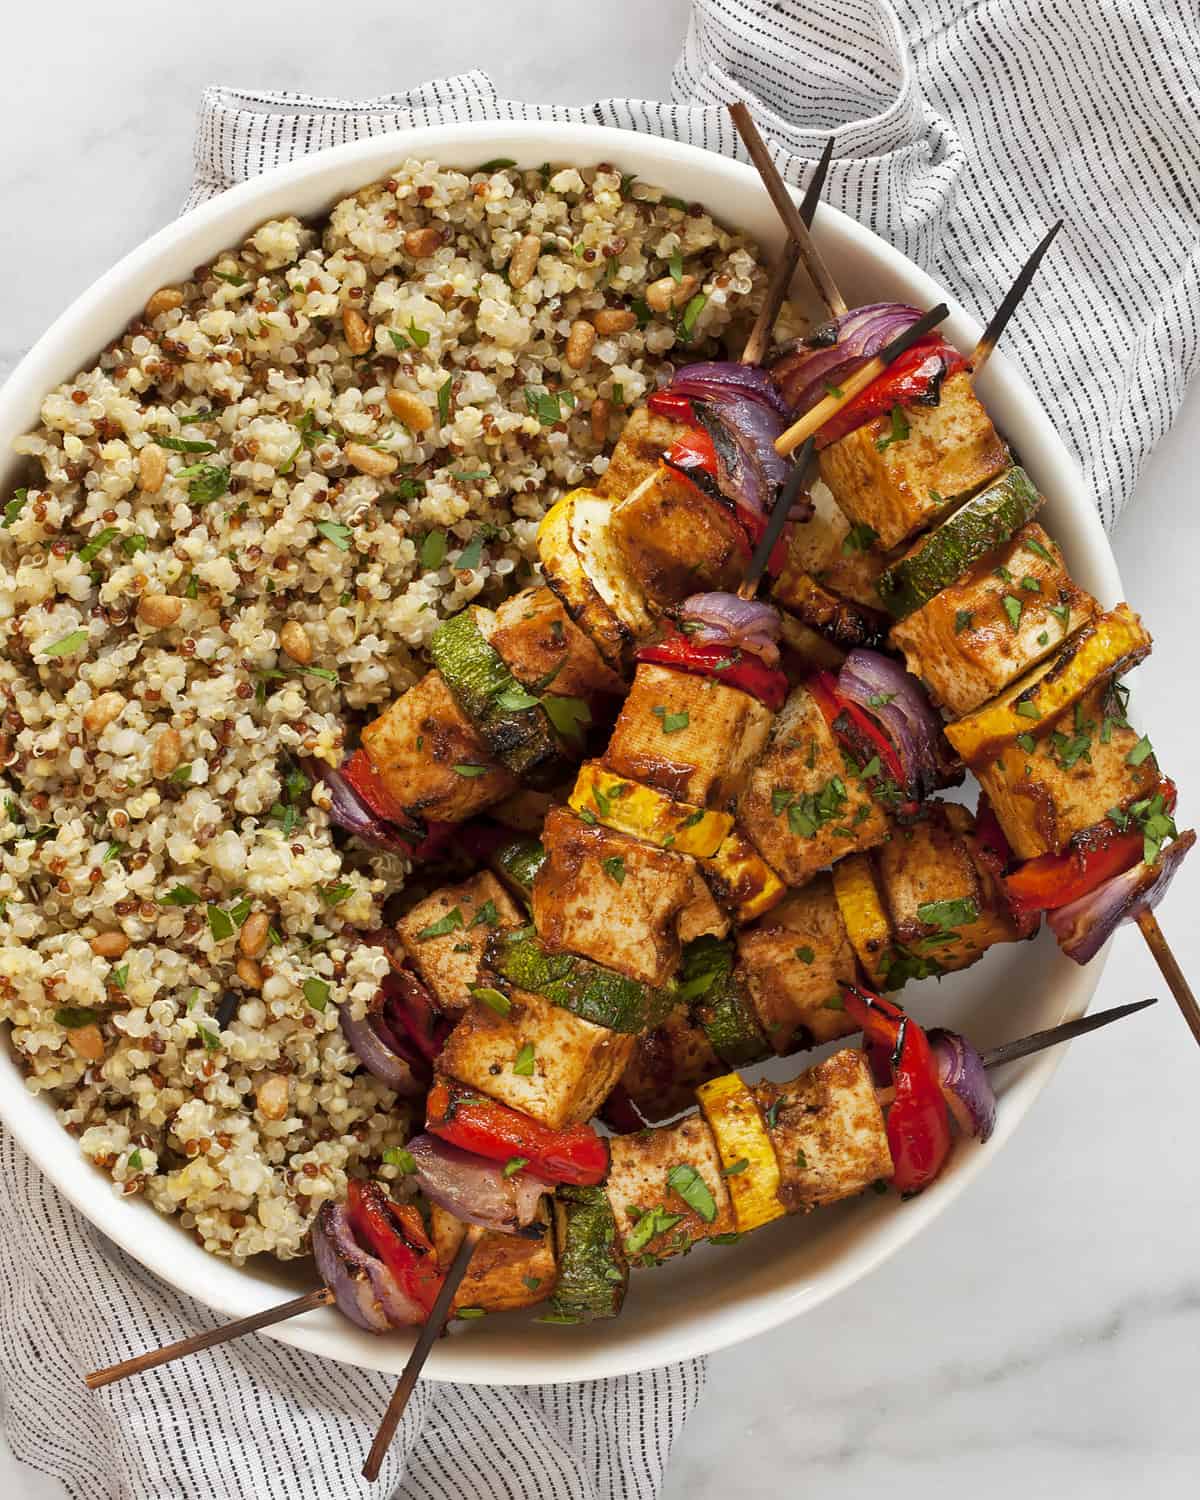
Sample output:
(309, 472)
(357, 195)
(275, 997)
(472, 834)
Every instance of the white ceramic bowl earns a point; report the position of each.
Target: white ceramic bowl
(716, 1296)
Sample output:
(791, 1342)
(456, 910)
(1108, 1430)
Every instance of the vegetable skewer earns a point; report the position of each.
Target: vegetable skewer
(323, 1296)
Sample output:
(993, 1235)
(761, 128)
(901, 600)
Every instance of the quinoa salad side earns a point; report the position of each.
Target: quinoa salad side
(231, 542)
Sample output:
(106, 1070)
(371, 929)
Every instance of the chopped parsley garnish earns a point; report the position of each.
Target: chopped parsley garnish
(671, 723)
(68, 644)
(397, 1156)
(316, 992)
(963, 619)
(859, 538)
(569, 716)
(14, 507)
(1140, 752)
(135, 1160)
(833, 390)
(335, 532)
(119, 976)
(771, 1114)
(468, 770)
(1027, 743)
(75, 1016)
(197, 416)
(444, 397)
(523, 1063)
(545, 406)
(802, 1161)
(182, 895)
(486, 916)
(948, 915)
(1031, 585)
(1028, 710)
(132, 545)
(1043, 638)
(96, 546)
(514, 1164)
(691, 314)
(470, 1312)
(1061, 612)
(736, 1168)
(614, 868)
(433, 550)
(1012, 608)
(112, 852)
(898, 433)
(653, 1222)
(470, 556)
(675, 266)
(220, 924)
(451, 922)
(333, 895)
(186, 445)
(805, 954)
(810, 811)
(692, 1188)
(495, 1000)
(835, 1002)
(210, 483)
(181, 775)
(1031, 544)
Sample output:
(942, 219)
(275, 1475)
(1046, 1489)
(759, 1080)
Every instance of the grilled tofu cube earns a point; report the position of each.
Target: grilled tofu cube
(506, 1271)
(1012, 608)
(689, 736)
(575, 1064)
(839, 620)
(678, 539)
(702, 916)
(430, 758)
(793, 963)
(829, 1133)
(945, 904)
(637, 1184)
(546, 651)
(667, 1064)
(1063, 776)
(803, 808)
(896, 486)
(644, 439)
(588, 571)
(827, 550)
(611, 898)
(444, 936)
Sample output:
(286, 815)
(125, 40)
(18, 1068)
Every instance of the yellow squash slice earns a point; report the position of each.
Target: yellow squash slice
(867, 923)
(647, 814)
(742, 880)
(1105, 647)
(748, 1160)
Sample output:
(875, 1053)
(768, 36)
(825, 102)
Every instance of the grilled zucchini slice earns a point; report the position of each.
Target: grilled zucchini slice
(593, 1274)
(709, 981)
(742, 880)
(517, 862)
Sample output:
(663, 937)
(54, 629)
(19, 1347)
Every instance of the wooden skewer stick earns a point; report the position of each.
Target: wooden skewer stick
(322, 1297)
(1171, 972)
(411, 1373)
(785, 267)
(811, 422)
(817, 270)
(777, 520)
(1000, 318)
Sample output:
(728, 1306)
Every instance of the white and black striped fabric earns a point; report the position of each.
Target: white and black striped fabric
(963, 128)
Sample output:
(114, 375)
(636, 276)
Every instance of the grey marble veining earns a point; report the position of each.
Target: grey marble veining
(1043, 1338)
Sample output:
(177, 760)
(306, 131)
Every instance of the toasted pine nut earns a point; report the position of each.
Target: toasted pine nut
(613, 320)
(100, 713)
(684, 290)
(410, 410)
(167, 753)
(252, 939)
(370, 460)
(599, 414)
(357, 330)
(86, 1042)
(294, 640)
(109, 944)
(160, 610)
(272, 1096)
(152, 468)
(579, 344)
(249, 973)
(422, 242)
(667, 292)
(166, 299)
(524, 261)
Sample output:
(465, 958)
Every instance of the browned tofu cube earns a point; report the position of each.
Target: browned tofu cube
(689, 736)
(944, 903)
(702, 916)
(793, 963)
(667, 1065)
(1014, 607)
(575, 1064)
(506, 1271)
(829, 1133)
(643, 441)
(444, 936)
(803, 807)
(1062, 777)
(611, 898)
(430, 758)
(637, 1183)
(897, 486)
(678, 539)
(546, 651)
(839, 620)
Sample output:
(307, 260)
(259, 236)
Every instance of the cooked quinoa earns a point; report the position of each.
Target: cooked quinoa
(236, 534)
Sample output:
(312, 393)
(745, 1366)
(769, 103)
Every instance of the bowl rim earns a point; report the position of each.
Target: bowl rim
(55, 357)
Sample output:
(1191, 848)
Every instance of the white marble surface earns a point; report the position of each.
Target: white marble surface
(1041, 1340)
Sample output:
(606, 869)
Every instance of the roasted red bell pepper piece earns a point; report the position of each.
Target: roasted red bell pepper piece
(918, 1124)
(575, 1154)
(904, 383)
(674, 408)
(1054, 880)
(694, 451)
(823, 688)
(735, 668)
(360, 772)
(396, 1234)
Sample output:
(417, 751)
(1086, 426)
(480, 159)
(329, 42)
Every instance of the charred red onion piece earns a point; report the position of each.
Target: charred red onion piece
(720, 619)
(883, 689)
(473, 1189)
(366, 1291)
(1083, 927)
(382, 1053)
(350, 812)
(808, 367)
(965, 1085)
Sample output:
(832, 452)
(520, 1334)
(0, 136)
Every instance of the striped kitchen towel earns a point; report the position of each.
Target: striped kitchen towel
(962, 129)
